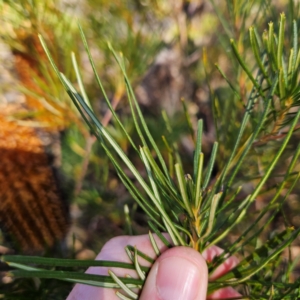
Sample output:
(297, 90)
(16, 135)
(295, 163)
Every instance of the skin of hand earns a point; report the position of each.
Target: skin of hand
(179, 273)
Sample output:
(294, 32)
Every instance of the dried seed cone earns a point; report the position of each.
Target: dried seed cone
(32, 210)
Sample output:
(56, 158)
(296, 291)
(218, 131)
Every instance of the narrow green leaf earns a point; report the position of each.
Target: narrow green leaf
(90, 279)
(102, 88)
(79, 79)
(138, 268)
(271, 47)
(129, 228)
(63, 262)
(295, 44)
(50, 58)
(186, 232)
(198, 193)
(20, 266)
(154, 244)
(290, 68)
(210, 166)
(256, 51)
(182, 188)
(298, 60)
(159, 234)
(141, 254)
(158, 203)
(122, 285)
(236, 93)
(165, 183)
(280, 41)
(198, 147)
(129, 254)
(150, 176)
(123, 297)
(170, 156)
(245, 68)
(188, 119)
(285, 74)
(258, 40)
(212, 212)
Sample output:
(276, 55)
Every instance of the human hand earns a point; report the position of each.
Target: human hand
(178, 273)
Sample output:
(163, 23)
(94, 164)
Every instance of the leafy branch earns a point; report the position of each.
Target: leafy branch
(193, 209)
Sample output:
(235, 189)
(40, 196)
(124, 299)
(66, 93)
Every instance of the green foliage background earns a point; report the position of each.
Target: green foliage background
(216, 87)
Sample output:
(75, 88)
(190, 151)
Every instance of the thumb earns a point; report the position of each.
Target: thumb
(179, 273)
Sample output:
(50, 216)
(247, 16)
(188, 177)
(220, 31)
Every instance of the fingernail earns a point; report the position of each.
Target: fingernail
(177, 278)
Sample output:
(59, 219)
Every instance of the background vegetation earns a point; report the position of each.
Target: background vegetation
(172, 50)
